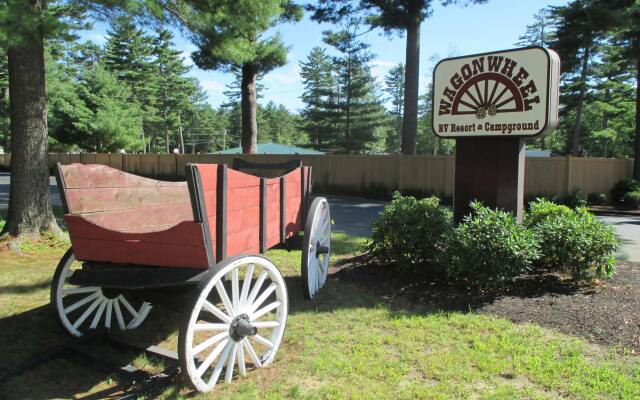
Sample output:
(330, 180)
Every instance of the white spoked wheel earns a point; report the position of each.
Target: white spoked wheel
(81, 309)
(316, 247)
(238, 318)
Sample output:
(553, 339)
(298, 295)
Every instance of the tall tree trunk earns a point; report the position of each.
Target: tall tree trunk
(411, 85)
(29, 205)
(249, 106)
(575, 141)
(636, 142)
(181, 134)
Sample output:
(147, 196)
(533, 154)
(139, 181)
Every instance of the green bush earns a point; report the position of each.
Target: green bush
(623, 187)
(597, 199)
(573, 199)
(409, 232)
(572, 241)
(489, 248)
(631, 199)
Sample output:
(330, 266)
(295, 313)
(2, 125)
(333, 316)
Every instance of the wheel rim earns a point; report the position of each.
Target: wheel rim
(319, 248)
(82, 308)
(216, 341)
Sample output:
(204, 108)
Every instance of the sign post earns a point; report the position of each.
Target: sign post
(490, 103)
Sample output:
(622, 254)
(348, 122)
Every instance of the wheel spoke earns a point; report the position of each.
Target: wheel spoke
(96, 318)
(242, 369)
(211, 358)
(216, 311)
(224, 297)
(266, 309)
(263, 341)
(267, 292)
(257, 286)
(116, 306)
(246, 285)
(266, 324)
(218, 369)
(87, 312)
(128, 306)
(210, 327)
(252, 353)
(209, 342)
(81, 302)
(77, 290)
(232, 359)
(235, 291)
(107, 322)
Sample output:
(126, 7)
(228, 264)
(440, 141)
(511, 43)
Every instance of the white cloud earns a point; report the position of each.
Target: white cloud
(97, 38)
(289, 77)
(379, 68)
(186, 57)
(212, 86)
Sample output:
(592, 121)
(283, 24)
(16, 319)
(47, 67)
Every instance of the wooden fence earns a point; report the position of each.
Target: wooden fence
(435, 174)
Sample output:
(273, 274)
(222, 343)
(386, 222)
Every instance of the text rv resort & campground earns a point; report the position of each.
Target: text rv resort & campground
(512, 92)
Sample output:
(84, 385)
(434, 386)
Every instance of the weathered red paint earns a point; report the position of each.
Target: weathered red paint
(126, 219)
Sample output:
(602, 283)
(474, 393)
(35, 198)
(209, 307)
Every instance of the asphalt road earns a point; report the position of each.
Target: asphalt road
(353, 215)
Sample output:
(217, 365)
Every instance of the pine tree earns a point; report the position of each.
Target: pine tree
(394, 82)
(173, 88)
(393, 16)
(317, 77)
(359, 110)
(541, 32)
(129, 55)
(231, 34)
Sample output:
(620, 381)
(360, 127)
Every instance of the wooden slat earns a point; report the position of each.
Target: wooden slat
(107, 199)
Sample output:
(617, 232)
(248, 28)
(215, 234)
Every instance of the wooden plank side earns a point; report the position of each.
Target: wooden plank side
(239, 179)
(179, 246)
(140, 220)
(108, 199)
(244, 242)
(78, 176)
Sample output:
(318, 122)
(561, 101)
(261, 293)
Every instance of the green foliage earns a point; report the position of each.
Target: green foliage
(597, 199)
(489, 248)
(573, 199)
(631, 199)
(572, 241)
(409, 232)
(623, 187)
(394, 87)
(319, 97)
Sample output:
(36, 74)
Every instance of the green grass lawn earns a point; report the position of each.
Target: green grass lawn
(344, 344)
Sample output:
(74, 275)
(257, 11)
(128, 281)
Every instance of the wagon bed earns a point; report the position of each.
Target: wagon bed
(121, 218)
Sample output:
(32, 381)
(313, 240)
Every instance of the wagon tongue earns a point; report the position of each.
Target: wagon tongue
(241, 327)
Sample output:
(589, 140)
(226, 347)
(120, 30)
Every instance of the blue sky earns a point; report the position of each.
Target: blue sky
(450, 31)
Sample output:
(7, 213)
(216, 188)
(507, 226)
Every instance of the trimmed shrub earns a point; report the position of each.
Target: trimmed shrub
(623, 187)
(572, 241)
(631, 199)
(573, 199)
(597, 199)
(409, 232)
(489, 248)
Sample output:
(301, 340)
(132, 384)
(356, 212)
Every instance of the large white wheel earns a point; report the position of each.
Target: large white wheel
(316, 247)
(238, 319)
(81, 309)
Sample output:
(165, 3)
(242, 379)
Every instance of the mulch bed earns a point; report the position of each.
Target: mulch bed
(607, 312)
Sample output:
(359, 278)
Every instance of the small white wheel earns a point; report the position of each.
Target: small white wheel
(83, 308)
(239, 317)
(316, 247)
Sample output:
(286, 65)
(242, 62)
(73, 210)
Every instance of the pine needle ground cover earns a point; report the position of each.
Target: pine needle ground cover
(350, 342)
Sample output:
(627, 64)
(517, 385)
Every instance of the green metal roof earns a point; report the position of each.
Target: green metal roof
(273, 148)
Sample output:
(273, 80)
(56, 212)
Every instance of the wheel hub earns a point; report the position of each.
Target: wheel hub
(240, 328)
(320, 249)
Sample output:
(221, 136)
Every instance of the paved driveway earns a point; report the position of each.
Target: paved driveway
(353, 215)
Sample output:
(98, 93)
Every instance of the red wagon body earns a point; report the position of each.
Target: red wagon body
(120, 218)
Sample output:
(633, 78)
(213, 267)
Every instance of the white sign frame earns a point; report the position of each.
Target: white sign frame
(529, 76)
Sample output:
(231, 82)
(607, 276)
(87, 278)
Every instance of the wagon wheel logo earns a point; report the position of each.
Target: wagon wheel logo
(487, 94)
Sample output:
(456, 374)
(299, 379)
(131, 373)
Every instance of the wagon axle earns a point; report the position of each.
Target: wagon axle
(240, 328)
(320, 249)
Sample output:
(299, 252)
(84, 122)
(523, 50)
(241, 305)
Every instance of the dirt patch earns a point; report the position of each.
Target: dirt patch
(605, 313)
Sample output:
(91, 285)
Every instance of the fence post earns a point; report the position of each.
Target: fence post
(567, 173)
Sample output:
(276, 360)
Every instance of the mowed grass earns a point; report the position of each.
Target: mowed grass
(346, 343)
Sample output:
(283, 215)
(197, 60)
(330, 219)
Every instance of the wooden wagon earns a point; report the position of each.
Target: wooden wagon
(129, 232)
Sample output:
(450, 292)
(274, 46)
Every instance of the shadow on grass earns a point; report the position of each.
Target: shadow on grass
(32, 287)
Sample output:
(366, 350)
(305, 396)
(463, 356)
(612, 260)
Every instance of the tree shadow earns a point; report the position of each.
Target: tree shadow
(19, 289)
